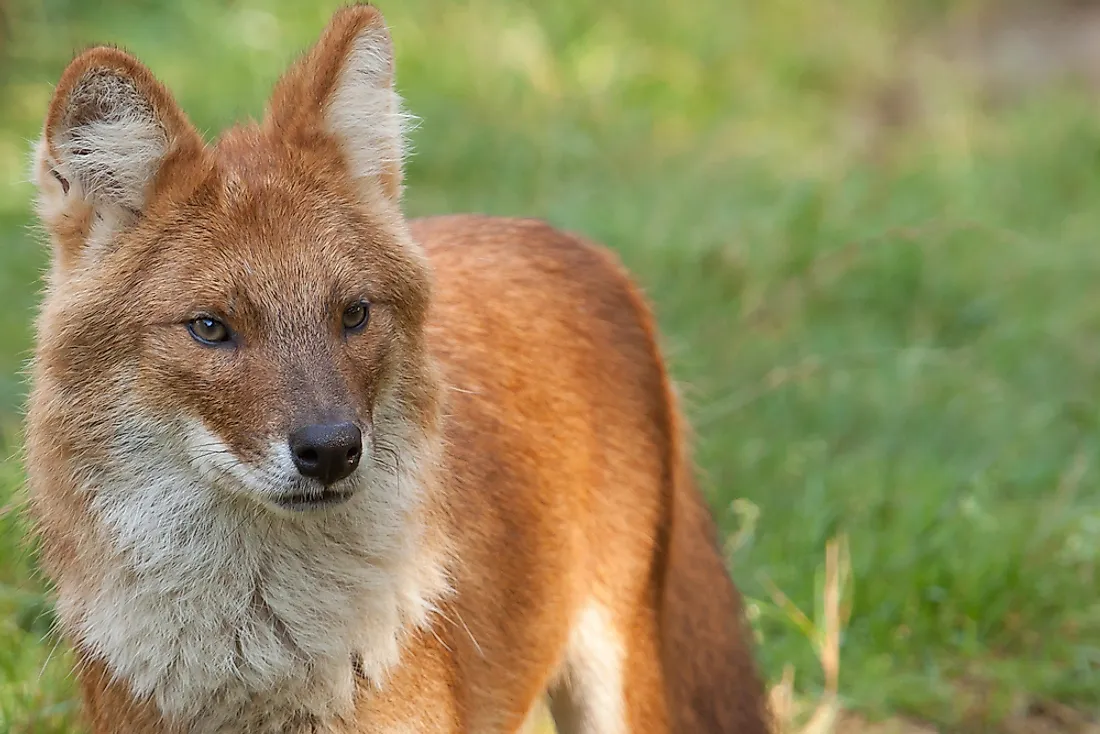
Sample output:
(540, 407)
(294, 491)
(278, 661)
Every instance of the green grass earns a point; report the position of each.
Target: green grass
(889, 334)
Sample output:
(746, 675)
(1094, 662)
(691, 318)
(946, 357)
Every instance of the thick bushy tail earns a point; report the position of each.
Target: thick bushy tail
(711, 680)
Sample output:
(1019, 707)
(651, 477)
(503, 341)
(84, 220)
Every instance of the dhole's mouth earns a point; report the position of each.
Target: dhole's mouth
(307, 501)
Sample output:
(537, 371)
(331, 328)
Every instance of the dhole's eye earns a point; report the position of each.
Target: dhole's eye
(208, 331)
(356, 315)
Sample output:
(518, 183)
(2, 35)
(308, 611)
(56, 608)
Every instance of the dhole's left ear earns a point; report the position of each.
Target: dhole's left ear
(343, 90)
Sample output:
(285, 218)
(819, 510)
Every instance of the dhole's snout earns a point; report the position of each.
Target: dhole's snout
(327, 452)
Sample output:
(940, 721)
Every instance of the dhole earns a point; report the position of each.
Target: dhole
(300, 465)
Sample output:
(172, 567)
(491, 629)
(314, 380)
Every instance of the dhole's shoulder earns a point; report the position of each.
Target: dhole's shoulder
(482, 246)
(521, 292)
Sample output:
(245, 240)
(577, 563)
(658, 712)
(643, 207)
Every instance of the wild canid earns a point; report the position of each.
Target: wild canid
(301, 465)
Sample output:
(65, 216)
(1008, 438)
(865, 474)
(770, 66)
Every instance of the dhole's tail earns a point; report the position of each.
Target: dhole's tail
(711, 682)
(710, 678)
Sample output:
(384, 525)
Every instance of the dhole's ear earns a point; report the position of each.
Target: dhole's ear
(110, 130)
(343, 89)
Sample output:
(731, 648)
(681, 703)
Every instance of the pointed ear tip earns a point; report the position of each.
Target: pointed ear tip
(117, 62)
(105, 57)
(358, 17)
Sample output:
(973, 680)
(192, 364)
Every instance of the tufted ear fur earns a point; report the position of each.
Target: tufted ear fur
(110, 130)
(343, 89)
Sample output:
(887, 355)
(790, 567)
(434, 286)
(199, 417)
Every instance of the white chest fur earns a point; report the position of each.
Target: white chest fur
(231, 617)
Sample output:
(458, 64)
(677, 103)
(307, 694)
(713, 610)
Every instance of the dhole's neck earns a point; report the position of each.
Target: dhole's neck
(232, 618)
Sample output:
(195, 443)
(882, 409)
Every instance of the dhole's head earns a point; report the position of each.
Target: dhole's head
(254, 307)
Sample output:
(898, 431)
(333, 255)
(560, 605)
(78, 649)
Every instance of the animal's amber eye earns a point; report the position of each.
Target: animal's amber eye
(355, 316)
(208, 331)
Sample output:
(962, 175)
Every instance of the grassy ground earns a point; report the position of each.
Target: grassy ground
(877, 286)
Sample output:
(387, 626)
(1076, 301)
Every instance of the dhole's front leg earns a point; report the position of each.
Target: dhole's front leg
(441, 686)
(419, 696)
(611, 681)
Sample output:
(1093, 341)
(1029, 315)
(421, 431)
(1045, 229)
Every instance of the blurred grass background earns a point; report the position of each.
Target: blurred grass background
(870, 231)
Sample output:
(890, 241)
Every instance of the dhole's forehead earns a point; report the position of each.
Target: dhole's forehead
(240, 281)
(268, 237)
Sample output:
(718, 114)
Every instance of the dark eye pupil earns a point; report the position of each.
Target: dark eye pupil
(355, 316)
(209, 330)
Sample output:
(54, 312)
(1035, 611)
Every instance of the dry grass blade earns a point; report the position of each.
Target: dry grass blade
(787, 711)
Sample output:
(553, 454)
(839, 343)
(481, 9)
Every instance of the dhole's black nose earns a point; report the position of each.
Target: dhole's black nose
(327, 452)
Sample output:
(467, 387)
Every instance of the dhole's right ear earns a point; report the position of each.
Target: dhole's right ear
(110, 131)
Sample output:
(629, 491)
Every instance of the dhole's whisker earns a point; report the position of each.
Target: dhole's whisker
(383, 448)
(210, 455)
(253, 517)
(392, 467)
(210, 471)
(49, 656)
(439, 639)
(256, 478)
(438, 609)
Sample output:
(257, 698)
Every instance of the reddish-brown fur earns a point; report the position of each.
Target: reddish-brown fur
(565, 477)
